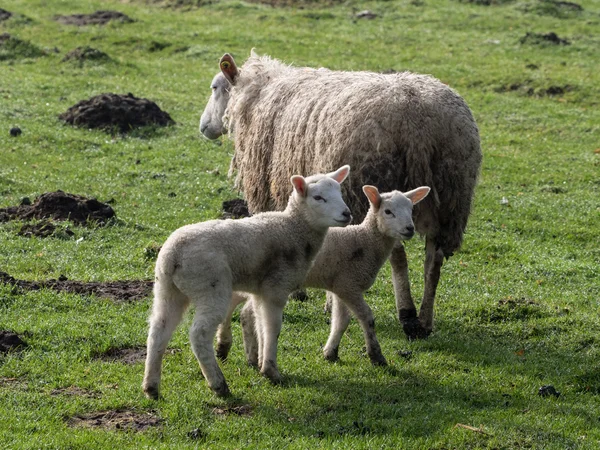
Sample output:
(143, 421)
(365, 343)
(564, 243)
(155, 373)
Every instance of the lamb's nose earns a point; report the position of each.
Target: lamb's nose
(410, 229)
(347, 215)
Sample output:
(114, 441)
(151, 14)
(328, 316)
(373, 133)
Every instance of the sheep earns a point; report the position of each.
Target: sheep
(267, 255)
(395, 130)
(346, 266)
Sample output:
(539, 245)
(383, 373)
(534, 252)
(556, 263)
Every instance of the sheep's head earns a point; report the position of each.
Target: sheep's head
(211, 121)
(320, 198)
(394, 210)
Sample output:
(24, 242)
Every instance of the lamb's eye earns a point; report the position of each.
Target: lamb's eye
(388, 212)
(319, 198)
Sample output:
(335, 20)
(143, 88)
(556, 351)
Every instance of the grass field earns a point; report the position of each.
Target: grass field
(517, 308)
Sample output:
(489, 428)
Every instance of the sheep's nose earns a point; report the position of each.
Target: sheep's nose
(409, 231)
(347, 215)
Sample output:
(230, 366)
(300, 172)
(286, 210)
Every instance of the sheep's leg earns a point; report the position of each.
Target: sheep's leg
(167, 311)
(270, 317)
(405, 306)
(207, 318)
(356, 303)
(340, 318)
(224, 336)
(433, 264)
(249, 333)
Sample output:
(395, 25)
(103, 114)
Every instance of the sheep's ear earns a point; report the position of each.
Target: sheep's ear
(228, 67)
(372, 194)
(299, 184)
(418, 194)
(341, 174)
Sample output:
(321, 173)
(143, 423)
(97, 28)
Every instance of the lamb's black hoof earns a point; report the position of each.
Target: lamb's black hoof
(414, 330)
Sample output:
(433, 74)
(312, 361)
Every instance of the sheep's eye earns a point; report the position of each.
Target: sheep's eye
(387, 211)
(319, 198)
(214, 88)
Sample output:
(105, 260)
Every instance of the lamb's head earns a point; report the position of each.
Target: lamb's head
(319, 198)
(394, 210)
(211, 121)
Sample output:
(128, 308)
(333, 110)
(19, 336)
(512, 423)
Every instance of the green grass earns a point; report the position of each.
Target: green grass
(517, 308)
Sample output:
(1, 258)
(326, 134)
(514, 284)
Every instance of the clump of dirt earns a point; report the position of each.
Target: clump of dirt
(96, 18)
(4, 14)
(235, 209)
(113, 290)
(10, 342)
(75, 391)
(111, 112)
(118, 419)
(525, 88)
(43, 229)
(541, 38)
(14, 48)
(82, 54)
(60, 205)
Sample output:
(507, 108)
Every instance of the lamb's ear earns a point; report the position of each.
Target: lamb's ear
(341, 174)
(299, 184)
(372, 194)
(418, 194)
(228, 67)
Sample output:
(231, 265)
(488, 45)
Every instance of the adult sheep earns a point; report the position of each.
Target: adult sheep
(397, 131)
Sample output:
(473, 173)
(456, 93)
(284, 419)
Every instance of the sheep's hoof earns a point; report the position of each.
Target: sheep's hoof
(151, 392)
(378, 360)
(222, 350)
(331, 355)
(414, 330)
(273, 375)
(222, 390)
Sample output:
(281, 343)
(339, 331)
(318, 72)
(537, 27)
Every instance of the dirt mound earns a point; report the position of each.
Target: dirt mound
(4, 14)
(131, 355)
(83, 54)
(10, 342)
(44, 228)
(96, 18)
(111, 112)
(114, 290)
(118, 419)
(60, 205)
(235, 209)
(540, 38)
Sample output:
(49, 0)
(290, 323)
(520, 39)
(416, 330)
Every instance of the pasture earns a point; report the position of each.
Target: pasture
(517, 307)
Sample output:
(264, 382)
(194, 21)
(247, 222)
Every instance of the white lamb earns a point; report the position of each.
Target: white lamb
(346, 267)
(267, 255)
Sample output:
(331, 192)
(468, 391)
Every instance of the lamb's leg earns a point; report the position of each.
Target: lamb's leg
(207, 318)
(356, 303)
(249, 333)
(433, 264)
(340, 318)
(224, 336)
(270, 316)
(407, 312)
(167, 311)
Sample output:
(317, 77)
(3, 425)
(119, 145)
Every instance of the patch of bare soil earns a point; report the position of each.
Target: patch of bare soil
(60, 205)
(86, 53)
(127, 355)
(10, 342)
(13, 382)
(111, 112)
(75, 391)
(235, 209)
(526, 89)
(541, 38)
(4, 14)
(119, 419)
(96, 18)
(113, 290)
